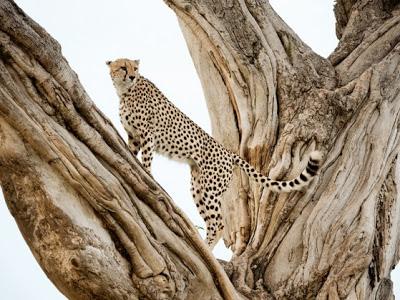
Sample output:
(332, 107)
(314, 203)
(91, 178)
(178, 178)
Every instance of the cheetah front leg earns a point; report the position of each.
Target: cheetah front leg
(147, 144)
(133, 144)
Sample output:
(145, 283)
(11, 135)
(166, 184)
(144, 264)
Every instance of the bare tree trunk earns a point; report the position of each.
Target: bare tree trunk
(278, 100)
(97, 223)
(100, 226)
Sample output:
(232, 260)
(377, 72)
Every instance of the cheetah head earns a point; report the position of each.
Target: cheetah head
(124, 73)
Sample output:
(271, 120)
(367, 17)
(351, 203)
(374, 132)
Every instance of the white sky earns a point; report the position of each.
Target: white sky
(92, 32)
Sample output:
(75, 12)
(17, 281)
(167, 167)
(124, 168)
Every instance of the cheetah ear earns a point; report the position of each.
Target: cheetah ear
(108, 62)
(137, 61)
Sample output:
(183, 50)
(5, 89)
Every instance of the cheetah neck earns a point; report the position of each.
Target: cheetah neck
(122, 87)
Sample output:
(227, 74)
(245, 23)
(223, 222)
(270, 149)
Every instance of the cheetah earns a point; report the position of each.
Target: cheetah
(154, 124)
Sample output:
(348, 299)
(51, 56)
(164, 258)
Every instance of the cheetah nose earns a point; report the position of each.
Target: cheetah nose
(131, 77)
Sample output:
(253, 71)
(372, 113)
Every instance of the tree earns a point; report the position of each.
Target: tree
(101, 227)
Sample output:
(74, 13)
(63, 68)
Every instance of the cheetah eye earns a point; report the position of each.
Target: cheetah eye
(123, 68)
(135, 69)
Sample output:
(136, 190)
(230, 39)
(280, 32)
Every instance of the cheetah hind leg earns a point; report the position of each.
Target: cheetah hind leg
(213, 220)
(196, 191)
(214, 232)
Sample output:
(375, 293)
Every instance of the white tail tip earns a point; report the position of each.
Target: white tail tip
(316, 155)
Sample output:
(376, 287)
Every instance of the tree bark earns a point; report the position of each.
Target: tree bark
(97, 223)
(272, 99)
(101, 227)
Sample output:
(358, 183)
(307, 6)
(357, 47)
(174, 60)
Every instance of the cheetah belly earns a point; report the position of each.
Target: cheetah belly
(173, 148)
(180, 159)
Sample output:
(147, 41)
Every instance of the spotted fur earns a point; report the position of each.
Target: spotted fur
(154, 124)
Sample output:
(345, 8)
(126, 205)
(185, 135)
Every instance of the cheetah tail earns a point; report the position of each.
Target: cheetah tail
(295, 184)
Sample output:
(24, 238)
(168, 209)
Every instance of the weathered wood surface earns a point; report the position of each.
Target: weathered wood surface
(97, 223)
(272, 99)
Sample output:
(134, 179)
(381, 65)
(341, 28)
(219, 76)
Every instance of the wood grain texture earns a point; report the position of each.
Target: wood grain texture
(281, 101)
(98, 224)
